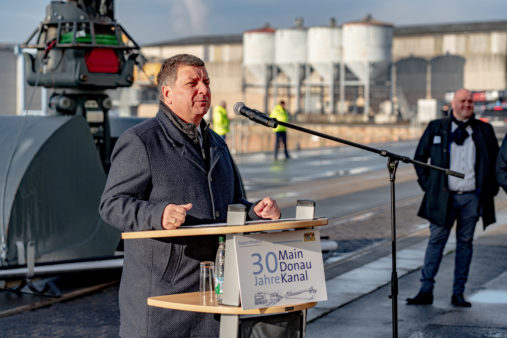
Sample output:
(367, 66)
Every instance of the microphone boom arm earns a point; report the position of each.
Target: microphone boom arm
(381, 152)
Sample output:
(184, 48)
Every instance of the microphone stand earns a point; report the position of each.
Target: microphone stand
(392, 164)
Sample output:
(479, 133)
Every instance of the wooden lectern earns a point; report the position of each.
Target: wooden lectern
(231, 309)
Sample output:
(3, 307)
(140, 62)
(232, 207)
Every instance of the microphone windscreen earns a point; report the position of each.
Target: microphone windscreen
(237, 107)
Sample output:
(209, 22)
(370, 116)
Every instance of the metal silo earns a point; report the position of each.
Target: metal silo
(259, 52)
(367, 46)
(411, 80)
(324, 53)
(290, 51)
(447, 74)
(290, 58)
(324, 48)
(367, 51)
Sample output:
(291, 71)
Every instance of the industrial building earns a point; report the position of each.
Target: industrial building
(367, 68)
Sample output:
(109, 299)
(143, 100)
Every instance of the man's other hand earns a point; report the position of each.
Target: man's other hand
(267, 208)
(174, 215)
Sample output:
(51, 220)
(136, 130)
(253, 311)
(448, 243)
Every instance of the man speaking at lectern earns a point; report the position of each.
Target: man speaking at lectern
(169, 171)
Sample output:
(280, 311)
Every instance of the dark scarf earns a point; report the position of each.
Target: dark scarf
(190, 130)
(459, 135)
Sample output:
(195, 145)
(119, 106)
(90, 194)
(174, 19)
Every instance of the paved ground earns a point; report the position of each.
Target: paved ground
(360, 306)
(93, 314)
(358, 282)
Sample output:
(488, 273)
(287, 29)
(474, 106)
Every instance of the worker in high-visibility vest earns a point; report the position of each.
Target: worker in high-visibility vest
(220, 120)
(281, 115)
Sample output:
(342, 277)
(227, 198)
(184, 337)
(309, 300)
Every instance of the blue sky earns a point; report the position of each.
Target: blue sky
(161, 20)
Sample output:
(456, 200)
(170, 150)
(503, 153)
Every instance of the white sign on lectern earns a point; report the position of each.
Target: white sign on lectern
(283, 268)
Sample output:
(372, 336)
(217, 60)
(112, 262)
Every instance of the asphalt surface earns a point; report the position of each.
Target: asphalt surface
(359, 303)
(358, 299)
(358, 274)
(93, 314)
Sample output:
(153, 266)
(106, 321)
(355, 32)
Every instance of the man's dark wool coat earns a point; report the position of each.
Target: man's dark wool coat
(154, 164)
(435, 144)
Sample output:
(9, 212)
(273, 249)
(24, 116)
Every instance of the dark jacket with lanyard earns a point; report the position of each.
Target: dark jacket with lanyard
(435, 144)
(158, 162)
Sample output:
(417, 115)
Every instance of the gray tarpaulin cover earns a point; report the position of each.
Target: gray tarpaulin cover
(51, 179)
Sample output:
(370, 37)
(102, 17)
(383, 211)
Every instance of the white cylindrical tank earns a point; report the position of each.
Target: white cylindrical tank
(290, 50)
(259, 51)
(324, 48)
(324, 44)
(367, 41)
(290, 45)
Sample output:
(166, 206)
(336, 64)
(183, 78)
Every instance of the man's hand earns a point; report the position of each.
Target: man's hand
(267, 208)
(174, 215)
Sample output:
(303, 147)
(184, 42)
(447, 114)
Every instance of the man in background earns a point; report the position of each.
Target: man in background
(280, 131)
(469, 146)
(501, 165)
(220, 120)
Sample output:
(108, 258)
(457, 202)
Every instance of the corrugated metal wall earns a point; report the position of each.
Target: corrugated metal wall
(8, 80)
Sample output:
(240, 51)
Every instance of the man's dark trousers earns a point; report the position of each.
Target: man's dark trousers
(465, 209)
(281, 138)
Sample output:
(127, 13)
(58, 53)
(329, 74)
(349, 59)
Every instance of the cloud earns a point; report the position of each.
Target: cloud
(189, 16)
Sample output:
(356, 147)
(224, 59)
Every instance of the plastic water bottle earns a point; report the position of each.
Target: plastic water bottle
(219, 269)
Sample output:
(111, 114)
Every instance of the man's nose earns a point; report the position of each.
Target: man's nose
(203, 88)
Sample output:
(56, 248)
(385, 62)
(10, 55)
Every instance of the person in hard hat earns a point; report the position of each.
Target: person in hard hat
(220, 120)
(281, 115)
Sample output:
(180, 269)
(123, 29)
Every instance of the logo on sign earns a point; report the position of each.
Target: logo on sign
(309, 236)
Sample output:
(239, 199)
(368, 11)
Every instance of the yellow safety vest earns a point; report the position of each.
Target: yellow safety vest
(281, 115)
(220, 120)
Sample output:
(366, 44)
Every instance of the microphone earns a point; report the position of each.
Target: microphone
(254, 115)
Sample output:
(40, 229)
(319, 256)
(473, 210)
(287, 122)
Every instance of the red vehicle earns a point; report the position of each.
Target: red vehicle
(497, 117)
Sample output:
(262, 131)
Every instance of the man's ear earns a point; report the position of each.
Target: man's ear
(166, 93)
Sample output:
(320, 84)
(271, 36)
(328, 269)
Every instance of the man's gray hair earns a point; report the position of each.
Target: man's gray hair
(169, 70)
